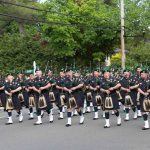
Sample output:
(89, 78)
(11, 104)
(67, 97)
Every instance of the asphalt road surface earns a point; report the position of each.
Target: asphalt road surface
(89, 136)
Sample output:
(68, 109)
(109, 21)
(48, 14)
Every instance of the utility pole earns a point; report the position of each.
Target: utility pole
(123, 58)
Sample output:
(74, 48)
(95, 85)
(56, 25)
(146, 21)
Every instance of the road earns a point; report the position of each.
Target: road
(89, 136)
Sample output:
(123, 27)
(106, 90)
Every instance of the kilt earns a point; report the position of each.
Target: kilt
(142, 97)
(115, 101)
(31, 93)
(3, 98)
(16, 101)
(123, 94)
(26, 98)
(86, 97)
(79, 98)
(133, 95)
(45, 93)
(94, 98)
(58, 99)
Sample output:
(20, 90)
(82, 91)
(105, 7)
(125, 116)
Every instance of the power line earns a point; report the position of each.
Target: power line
(4, 20)
(58, 23)
(54, 12)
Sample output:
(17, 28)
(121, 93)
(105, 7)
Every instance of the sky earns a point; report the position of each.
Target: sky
(42, 1)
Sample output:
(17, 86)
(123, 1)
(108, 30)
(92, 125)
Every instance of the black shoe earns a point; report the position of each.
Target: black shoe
(68, 125)
(81, 123)
(95, 118)
(126, 120)
(145, 128)
(37, 123)
(139, 116)
(102, 116)
(8, 123)
(106, 126)
(75, 115)
(60, 118)
(88, 112)
(119, 124)
(51, 121)
(20, 121)
(30, 118)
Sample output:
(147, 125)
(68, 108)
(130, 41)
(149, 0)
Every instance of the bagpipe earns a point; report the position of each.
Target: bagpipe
(99, 100)
(51, 94)
(119, 95)
(62, 98)
(89, 94)
(128, 100)
(21, 97)
(146, 104)
(71, 102)
(31, 101)
(108, 102)
(42, 102)
(9, 103)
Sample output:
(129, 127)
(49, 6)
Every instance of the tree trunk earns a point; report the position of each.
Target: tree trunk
(21, 27)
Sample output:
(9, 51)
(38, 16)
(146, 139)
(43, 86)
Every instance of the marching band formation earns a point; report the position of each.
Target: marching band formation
(105, 89)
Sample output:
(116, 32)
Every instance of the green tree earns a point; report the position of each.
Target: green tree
(88, 32)
(91, 29)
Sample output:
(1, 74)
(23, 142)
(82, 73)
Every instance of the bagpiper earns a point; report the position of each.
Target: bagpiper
(12, 89)
(75, 96)
(109, 86)
(41, 88)
(144, 90)
(129, 88)
(31, 95)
